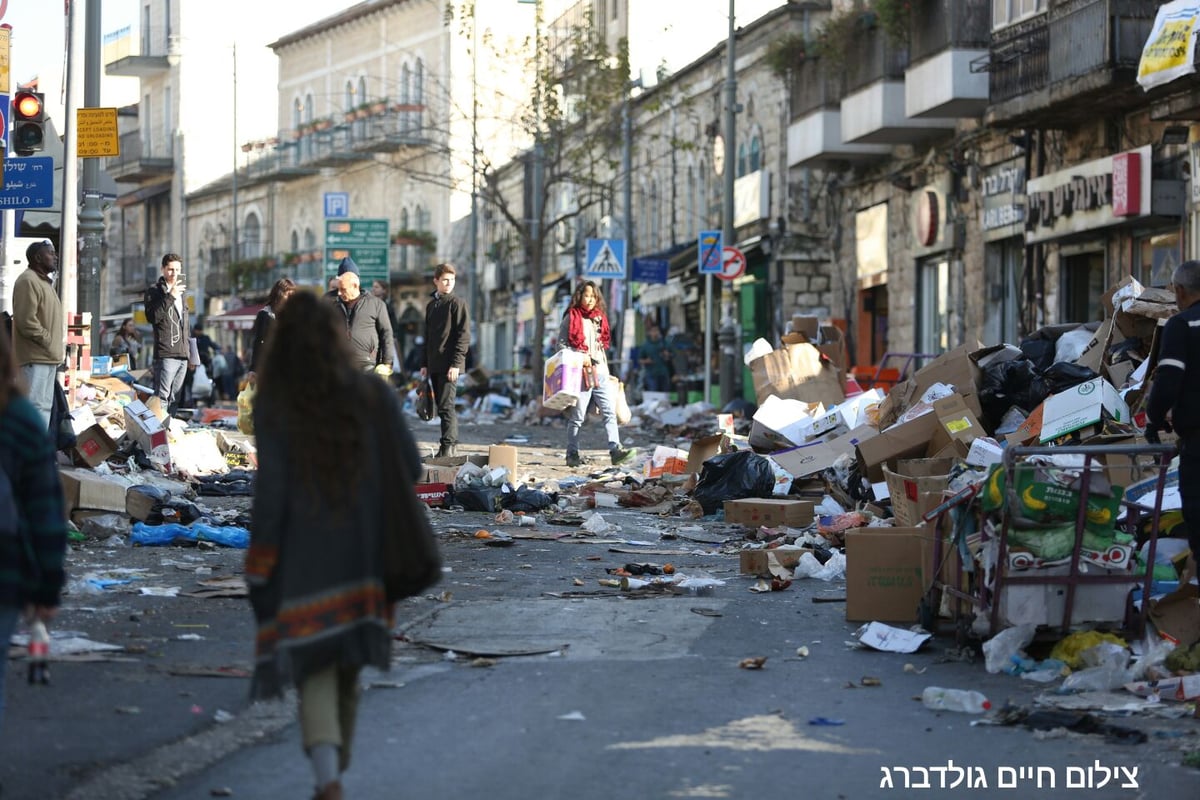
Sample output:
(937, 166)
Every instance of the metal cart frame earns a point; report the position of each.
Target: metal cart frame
(987, 599)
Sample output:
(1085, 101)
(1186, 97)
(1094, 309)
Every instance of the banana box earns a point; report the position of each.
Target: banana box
(1045, 496)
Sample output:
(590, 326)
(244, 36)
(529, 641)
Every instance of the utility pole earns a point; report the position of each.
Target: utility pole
(476, 274)
(729, 335)
(91, 219)
(627, 203)
(233, 249)
(71, 284)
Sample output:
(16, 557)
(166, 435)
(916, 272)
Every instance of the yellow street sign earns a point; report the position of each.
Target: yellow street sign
(5, 49)
(96, 132)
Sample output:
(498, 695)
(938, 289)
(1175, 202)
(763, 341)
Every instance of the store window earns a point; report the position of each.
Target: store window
(1006, 12)
(1155, 258)
(1082, 287)
(1002, 267)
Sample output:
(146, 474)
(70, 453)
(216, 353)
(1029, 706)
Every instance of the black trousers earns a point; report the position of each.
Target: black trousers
(1189, 489)
(445, 393)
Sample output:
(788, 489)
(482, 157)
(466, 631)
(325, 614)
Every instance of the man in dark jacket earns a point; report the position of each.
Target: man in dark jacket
(366, 325)
(447, 338)
(167, 312)
(1175, 395)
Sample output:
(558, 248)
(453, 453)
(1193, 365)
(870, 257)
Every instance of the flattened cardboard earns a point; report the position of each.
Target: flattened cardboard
(886, 573)
(810, 459)
(769, 512)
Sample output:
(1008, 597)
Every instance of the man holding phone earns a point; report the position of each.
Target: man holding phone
(167, 311)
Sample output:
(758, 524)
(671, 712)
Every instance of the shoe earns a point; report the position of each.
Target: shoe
(332, 791)
(448, 451)
(573, 459)
(620, 455)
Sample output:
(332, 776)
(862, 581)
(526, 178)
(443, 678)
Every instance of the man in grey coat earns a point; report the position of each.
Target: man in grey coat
(367, 325)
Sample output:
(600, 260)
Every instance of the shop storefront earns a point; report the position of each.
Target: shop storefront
(1002, 221)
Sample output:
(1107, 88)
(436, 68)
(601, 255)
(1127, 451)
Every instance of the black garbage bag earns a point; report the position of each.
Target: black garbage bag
(733, 476)
(1066, 374)
(426, 404)
(526, 499)
(174, 509)
(482, 498)
(1007, 384)
(1040, 350)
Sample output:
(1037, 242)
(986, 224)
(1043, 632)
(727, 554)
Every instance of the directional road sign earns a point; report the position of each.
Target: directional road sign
(709, 246)
(650, 270)
(733, 264)
(28, 183)
(364, 240)
(605, 258)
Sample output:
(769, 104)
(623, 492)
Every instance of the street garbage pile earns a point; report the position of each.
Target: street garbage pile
(137, 474)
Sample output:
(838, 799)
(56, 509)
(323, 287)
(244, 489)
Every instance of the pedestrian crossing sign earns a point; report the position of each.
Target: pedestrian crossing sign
(605, 258)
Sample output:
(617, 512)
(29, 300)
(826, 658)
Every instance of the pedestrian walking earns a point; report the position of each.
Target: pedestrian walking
(366, 325)
(39, 329)
(585, 329)
(168, 314)
(279, 294)
(314, 566)
(447, 340)
(1175, 396)
(655, 357)
(126, 342)
(33, 516)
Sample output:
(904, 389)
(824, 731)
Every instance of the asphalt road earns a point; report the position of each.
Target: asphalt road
(535, 681)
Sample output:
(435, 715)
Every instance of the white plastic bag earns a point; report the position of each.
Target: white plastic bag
(999, 650)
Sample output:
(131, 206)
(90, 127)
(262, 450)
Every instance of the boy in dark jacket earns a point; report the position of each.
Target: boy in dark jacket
(167, 311)
(447, 338)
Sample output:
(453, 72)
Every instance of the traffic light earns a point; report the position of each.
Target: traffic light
(28, 123)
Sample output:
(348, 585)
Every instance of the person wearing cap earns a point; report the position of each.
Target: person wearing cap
(39, 328)
(347, 265)
(447, 338)
(367, 323)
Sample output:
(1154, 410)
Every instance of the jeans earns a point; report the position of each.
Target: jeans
(446, 394)
(168, 381)
(605, 401)
(8, 623)
(41, 378)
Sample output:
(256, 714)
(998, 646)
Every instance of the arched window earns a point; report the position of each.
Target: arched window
(419, 93)
(689, 212)
(741, 160)
(306, 143)
(251, 236)
(404, 248)
(755, 153)
(655, 218)
(295, 242)
(362, 90)
(348, 102)
(405, 96)
(310, 240)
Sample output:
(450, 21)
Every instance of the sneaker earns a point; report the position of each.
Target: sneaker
(620, 455)
(573, 459)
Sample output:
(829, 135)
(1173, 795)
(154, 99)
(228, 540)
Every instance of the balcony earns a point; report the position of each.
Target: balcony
(145, 64)
(815, 132)
(274, 160)
(1056, 69)
(139, 164)
(945, 37)
(391, 130)
(873, 111)
(330, 147)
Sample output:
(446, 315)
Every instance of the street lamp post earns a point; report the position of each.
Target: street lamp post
(729, 334)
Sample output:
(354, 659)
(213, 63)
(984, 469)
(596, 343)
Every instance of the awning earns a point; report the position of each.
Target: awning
(239, 319)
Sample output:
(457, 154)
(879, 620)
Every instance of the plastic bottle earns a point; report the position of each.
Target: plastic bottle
(940, 699)
(39, 650)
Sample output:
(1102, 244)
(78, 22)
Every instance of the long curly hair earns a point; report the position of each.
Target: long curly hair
(307, 384)
(577, 296)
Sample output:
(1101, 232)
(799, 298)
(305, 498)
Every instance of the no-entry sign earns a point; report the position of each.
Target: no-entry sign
(733, 264)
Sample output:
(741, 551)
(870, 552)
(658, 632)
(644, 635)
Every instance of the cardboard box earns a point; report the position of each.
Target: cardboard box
(769, 512)
(806, 325)
(1177, 616)
(812, 458)
(503, 455)
(112, 387)
(93, 446)
(433, 494)
(563, 379)
(917, 487)
(440, 473)
(954, 367)
(85, 489)
(908, 440)
(770, 562)
(957, 428)
(145, 428)
(1079, 407)
(665, 461)
(797, 372)
(781, 423)
(886, 571)
(703, 449)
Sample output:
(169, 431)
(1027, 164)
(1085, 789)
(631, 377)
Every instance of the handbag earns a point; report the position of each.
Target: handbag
(408, 549)
(426, 402)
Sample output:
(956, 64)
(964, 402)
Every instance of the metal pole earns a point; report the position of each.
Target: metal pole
(233, 252)
(68, 255)
(627, 202)
(476, 275)
(729, 389)
(91, 219)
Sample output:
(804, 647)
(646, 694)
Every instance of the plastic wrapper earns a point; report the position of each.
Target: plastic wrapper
(525, 499)
(733, 476)
(1070, 345)
(245, 407)
(1000, 649)
(425, 405)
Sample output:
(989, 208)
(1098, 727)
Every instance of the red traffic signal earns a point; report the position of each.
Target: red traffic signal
(28, 123)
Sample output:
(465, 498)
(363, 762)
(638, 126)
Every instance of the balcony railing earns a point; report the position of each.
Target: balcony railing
(939, 25)
(1019, 61)
(873, 57)
(815, 87)
(136, 162)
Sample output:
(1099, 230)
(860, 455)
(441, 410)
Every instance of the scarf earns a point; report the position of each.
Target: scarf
(575, 337)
